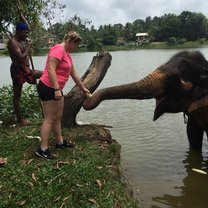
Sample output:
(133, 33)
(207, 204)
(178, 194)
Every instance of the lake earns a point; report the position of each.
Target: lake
(155, 156)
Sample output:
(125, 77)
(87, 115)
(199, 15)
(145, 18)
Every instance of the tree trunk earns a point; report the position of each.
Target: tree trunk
(91, 80)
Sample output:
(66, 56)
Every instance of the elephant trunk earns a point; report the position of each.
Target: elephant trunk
(152, 86)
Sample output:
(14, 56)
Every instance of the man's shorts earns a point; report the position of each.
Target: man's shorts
(21, 75)
(46, 93)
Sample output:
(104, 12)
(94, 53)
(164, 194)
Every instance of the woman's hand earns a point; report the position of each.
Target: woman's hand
(85, 90)
(58, 94)
(87, 93)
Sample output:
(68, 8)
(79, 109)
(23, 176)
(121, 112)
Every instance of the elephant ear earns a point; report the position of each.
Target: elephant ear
(163, 105)
(176, 97)
(188, 71)
(194, 69)
(192, 66)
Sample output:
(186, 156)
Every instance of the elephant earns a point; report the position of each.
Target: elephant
(179, 85)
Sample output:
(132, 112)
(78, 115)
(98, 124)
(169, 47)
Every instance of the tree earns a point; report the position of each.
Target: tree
(138, 26)
(148, 23)
(107, 35)
(194, 25)
(32, 11)
(170, 26)
(128, 32)
(154, 30)
(58, 30)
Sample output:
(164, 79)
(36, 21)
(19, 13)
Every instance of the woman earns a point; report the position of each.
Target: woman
(58, 68)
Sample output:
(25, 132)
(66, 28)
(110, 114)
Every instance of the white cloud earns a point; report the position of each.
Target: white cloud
(123, 11)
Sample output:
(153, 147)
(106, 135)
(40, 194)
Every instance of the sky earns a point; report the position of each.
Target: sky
(104, 12)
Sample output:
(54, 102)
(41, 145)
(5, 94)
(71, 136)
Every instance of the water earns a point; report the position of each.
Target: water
(155, 156)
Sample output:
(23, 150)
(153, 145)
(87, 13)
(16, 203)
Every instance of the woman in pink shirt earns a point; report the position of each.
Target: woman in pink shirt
(59, 67)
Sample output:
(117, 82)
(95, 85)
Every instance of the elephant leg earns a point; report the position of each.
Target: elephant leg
(195, 135)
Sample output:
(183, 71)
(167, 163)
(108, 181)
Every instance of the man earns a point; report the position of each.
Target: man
(19, 51)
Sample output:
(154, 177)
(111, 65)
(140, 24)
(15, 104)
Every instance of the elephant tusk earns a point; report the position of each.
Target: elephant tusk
(199, 171)
(186, 85)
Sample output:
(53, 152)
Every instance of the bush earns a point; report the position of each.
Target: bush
(29, 103)
(172, 41)
(181, 41)
(202, 40)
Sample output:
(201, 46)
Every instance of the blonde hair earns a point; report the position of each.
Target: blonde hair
(72, 36)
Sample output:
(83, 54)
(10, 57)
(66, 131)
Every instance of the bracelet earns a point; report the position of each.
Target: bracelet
(56, 89)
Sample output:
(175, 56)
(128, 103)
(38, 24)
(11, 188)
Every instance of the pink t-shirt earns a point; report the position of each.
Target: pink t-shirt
(62, 71)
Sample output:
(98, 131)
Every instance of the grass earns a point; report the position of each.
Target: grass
(88, 175)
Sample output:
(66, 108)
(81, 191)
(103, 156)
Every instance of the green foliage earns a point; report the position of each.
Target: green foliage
(193, 25)
(92, 44)
(170, 26)
(184, 27)
(32, 10)
(202, 40)
(6, 107)
(172, 41)
(181, 41)
(29, 103)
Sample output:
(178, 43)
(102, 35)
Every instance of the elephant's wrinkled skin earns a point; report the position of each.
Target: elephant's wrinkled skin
(180, 85)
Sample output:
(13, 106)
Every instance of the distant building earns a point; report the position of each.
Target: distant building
(142, 38)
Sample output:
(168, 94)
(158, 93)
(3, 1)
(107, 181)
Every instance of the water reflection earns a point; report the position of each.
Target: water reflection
(194, 191)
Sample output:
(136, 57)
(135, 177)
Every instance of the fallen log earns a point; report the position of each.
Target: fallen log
(91, 79)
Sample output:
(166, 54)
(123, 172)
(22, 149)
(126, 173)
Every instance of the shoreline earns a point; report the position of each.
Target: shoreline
(152, 45)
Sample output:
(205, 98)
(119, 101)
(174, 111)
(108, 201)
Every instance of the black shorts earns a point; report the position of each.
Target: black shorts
(46, 93)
